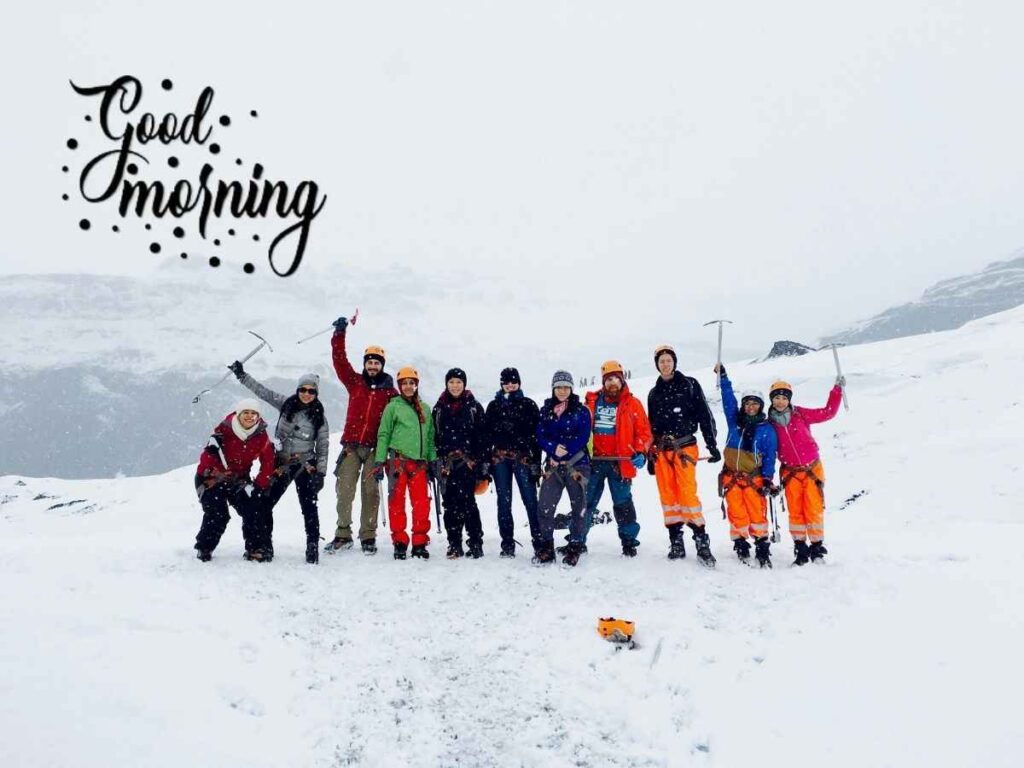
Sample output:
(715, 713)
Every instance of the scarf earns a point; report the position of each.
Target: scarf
(293, 406)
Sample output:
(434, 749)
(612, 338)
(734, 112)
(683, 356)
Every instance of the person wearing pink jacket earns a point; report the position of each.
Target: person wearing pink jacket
(802, 475)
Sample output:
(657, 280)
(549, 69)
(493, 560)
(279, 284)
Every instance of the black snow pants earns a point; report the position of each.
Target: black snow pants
(460, 509)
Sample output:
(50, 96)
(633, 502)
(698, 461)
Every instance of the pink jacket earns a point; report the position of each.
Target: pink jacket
(796, 446)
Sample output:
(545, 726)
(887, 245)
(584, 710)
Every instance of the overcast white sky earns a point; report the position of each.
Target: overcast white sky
(790, 165)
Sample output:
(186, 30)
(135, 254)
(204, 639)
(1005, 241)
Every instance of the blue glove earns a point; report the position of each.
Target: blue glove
(638, 460)
(340, 324)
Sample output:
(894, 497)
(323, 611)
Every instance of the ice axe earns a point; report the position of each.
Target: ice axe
(718, 381)
(263, 343)
(351, 321)
(839, 370)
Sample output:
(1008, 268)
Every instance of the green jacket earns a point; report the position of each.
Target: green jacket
(401, 431)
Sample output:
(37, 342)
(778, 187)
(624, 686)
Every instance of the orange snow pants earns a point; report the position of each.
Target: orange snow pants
(411, 475)
(677, 486)
(746, 507)
(805, 498)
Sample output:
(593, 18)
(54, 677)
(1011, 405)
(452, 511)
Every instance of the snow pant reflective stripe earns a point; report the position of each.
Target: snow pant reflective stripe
(215, 517)
(355, 458)
(460, 509)
(805, 502)
(550, 494)
(677, 486)
(503, 472)
(412, 476)
(747, 510)
(622, 494)
(307, 503)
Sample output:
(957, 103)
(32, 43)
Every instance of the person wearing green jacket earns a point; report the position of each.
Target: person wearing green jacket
(405, 449)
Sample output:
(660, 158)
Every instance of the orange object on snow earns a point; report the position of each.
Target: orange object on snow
(616, 630)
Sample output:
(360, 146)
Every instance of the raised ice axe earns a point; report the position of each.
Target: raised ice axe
(718, 381)
(263, 343)
(839, 371)
(351, 321)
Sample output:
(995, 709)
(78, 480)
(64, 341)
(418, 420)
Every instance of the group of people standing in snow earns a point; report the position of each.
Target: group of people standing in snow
(567, 446)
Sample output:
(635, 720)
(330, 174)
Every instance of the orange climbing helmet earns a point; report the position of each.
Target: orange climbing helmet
(373, 352)
(613, 368)
(616, 630)
(781, 387)
(408, 372)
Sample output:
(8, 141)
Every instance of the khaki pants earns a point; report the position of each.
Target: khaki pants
(354, 458)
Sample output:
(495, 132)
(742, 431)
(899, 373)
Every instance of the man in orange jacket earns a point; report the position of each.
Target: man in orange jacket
(622, 437)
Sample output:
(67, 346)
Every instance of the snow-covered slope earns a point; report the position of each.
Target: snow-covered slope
(947, 304)
(119, 648)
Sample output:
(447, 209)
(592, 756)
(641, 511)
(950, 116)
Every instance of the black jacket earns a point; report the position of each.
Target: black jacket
(459, 425)
(512, 424)
(677, 407)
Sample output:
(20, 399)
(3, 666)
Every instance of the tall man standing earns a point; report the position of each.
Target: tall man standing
(677, 407)
(368, 394)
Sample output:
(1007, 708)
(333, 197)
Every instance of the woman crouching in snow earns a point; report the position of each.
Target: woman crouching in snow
(222, 478)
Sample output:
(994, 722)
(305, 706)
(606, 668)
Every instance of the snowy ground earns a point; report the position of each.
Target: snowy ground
(117, 647)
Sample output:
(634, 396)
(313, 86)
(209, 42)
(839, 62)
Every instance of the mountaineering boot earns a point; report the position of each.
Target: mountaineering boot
(801, 552)
(420, 551)
(543, 555)
(454, 552)
(476, 551)
(338, 543)
(312, 553)
(268, 553)
(508, 550)
(204, 555)
(253, 555)
(818, 552)
(762, 552)
(566, 547)
(572, 555)
(702, 542)
(676, 548)
(400, 551)
(369, 546)
(742, 547)
(629, 550)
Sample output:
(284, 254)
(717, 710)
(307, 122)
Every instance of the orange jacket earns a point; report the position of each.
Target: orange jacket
(632, 429)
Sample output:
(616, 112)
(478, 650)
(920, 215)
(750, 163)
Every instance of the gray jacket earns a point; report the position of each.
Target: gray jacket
(296, 435)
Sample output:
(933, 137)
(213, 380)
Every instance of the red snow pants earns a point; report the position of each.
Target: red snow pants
(805, 498)
(411, 475)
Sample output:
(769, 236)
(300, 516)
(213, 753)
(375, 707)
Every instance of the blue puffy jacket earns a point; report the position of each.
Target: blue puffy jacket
(762, 449)
(572, 429)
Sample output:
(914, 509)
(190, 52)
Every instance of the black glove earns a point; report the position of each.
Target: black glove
(378, 470)
(237, 369)
(317, 483)
(340, 324)
(714, 456)
(721, 371)
(433, 470)
(774, 490)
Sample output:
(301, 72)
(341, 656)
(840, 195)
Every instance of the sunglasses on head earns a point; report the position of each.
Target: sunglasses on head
(307, 391)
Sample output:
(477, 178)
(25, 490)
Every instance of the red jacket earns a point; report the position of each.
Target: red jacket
(632, 429)
(366, 400)
(240, 455)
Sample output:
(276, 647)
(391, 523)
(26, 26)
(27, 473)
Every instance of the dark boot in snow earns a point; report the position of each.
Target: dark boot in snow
(338, 543)
(400, 551)
(312, 552)
(818, 552)
(544, 554)
(801, 552)
(204, 555)
(702, 542)
(762, 552)
(476, 551)
(566, 547)
(629, 549)
(572, 555)
(676, 548)
(369, 546)
(454, 552)
(420, 551)
(742, 547)
(508, 550)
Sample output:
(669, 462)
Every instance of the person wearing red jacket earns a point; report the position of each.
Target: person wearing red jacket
(622, 438)
(802, 475)
(369, 392)
(223, 478)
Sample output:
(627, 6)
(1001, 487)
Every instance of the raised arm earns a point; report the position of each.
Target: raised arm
(266, 394)
(729, 404)
(816, 415)
(348, 375)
